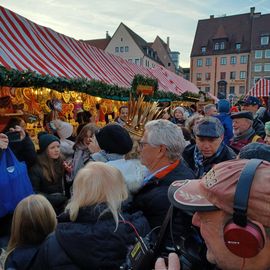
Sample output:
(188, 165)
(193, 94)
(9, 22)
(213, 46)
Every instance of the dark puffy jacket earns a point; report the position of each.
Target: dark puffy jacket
(152, 199)
(24, 151)
(226, 154)
(258, 126)
(21, 258)
(91, 242)
(54, 192)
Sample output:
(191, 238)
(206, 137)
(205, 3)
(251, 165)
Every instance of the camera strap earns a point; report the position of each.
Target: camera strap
(163, 230)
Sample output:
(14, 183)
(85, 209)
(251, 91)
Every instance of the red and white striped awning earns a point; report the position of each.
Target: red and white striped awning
(260, 89)
(26, 45)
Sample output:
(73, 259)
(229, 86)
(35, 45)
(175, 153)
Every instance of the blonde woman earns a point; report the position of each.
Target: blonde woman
(33, 220)
(93, 233)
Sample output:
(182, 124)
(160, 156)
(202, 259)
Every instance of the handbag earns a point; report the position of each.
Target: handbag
(14, 182)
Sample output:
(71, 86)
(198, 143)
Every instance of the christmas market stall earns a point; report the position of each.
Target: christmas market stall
(40, 67)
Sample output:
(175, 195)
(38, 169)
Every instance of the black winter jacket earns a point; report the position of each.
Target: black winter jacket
(24, 151)
(54, 192)
(91, 242)
(152, 199)
(21, 258)
(226, 154)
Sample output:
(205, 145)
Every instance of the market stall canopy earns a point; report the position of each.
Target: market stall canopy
(260, 89)
(28, 46)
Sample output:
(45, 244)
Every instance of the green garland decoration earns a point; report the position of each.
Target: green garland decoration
(28, 78)
(143, 80)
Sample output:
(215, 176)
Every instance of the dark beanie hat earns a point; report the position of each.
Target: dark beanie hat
(44, 139)
(114, 139)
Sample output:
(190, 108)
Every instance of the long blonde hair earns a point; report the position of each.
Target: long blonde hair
(33, 220)
(98, 183)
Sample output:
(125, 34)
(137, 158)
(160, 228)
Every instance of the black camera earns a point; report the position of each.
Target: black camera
(191, 251)
(190, 248)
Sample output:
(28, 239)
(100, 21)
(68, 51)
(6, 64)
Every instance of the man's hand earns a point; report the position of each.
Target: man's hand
(3, 141)
(174, 263)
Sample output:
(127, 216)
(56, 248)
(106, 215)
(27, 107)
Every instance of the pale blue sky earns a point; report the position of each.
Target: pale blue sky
(90, 19)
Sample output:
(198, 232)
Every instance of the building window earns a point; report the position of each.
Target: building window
(233, 60)
(258, 54)
(258, 67)
(264, 40)
(267, 67)
(223, 60)
(237, 46)
(121, 49)
(232, 90)
(199, 62)
(222, 45)
(267, 54)
(199, 76)
(242, 75)
(137, 61)
(207, 89)
(223, 75)
(216, 47)
(116, 49)
(203, 50)
(208, 62)
(207, 76)
(242, 89)
(232, 75)
(130, 60)
(243, 59)
(126, 48)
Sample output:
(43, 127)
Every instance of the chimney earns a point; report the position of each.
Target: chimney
(252, 11)
(107, 35)
(168, 43)
(212, 16)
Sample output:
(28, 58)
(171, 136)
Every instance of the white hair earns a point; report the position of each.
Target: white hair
(164, 132)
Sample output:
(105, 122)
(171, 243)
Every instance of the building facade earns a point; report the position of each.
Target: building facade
(223, 60)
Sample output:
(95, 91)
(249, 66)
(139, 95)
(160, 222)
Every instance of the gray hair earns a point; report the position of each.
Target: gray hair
(164, 132)
(208, 107)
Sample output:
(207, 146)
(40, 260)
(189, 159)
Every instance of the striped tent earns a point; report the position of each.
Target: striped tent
(260, 89)
(26, 45)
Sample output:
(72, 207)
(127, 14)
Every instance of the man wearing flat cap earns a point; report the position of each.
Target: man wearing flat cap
(252, 104)
(209, 148)
(243, 132)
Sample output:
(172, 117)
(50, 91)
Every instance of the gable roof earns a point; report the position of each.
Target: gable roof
(236, 28)
(143, 45)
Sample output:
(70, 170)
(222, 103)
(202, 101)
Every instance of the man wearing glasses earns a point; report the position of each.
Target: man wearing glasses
(161, 150)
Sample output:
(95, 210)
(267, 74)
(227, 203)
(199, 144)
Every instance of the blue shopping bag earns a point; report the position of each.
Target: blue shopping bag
(14, 182)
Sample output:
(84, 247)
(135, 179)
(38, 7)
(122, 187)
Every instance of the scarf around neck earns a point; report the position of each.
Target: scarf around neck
(244, 136)
(199, 160)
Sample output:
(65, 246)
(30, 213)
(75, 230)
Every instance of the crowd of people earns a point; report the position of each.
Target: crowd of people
(97, 192)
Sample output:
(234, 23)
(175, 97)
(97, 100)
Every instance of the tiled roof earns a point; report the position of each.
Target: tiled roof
(261, 26)
(235, 29)
(98, 43)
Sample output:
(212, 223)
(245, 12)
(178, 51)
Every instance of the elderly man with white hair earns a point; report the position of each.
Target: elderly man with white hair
(161, 150)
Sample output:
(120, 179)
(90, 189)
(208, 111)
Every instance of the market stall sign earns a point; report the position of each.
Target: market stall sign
(146, 90)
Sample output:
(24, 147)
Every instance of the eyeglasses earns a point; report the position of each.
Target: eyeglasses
(142, 144)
